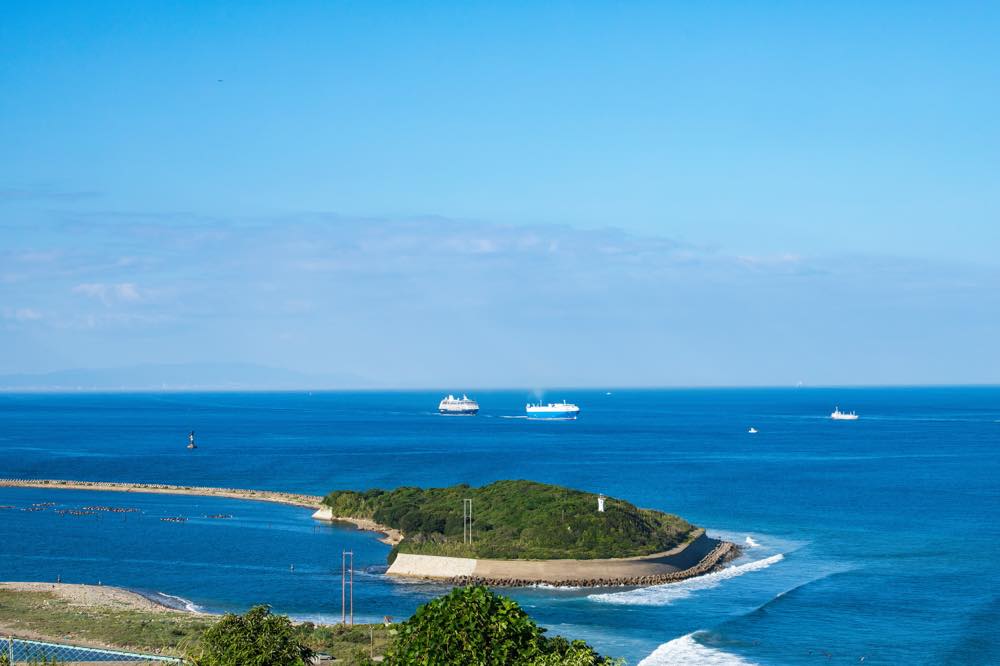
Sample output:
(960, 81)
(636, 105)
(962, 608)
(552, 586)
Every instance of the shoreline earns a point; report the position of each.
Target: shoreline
(98, 596)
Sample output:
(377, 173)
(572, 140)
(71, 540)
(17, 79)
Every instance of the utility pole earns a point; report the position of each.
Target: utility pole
(346, 580)
(467, 521)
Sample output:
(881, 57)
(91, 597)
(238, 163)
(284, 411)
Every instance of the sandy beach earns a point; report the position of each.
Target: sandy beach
(90, 596)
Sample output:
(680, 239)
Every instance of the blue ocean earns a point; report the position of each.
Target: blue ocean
(873, 541)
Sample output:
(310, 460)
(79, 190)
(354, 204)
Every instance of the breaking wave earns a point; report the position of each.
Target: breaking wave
(172, 601)
(751, 543)
(686, 650)
(664, 595)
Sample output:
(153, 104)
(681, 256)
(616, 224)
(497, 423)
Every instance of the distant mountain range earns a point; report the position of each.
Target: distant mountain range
(180, 377)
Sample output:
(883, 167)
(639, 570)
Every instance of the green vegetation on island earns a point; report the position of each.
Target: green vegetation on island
(515, 520)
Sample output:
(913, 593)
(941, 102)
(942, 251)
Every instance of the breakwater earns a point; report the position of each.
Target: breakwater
(702, 555)
(722, 553)
(295, 499)
(314, 502)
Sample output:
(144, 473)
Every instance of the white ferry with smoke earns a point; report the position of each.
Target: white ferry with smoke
(553, 410)
(463, 405)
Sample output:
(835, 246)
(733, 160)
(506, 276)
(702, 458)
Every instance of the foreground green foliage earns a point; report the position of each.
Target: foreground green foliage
(256, 638)
(472, 626)
(515, 520)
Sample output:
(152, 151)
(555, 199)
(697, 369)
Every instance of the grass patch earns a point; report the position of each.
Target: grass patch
(45, 614)
(170, 633)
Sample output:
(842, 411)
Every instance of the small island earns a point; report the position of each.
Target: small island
(525, 532)
(522, 532)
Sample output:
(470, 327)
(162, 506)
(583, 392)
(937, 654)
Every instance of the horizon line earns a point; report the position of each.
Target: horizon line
(421, 389)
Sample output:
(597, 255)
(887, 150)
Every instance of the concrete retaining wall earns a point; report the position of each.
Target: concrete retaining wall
(432, 566)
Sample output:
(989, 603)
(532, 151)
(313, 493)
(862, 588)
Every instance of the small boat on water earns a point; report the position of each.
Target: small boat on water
(838, 415)
(464, 405)
(191, 444)
(752, 430)
(553, 410)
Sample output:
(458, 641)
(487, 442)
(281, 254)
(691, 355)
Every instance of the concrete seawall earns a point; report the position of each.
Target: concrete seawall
(701, 556)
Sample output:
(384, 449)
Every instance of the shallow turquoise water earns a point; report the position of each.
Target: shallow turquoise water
(876, 538)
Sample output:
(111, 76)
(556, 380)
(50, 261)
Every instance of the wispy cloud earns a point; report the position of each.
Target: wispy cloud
(388, 298)
(123, 292)
(22, 314)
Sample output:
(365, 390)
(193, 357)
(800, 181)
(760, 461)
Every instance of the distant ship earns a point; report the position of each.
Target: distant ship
(752, 430)
(463, 405)
(553, 410)
(191, 444)
(838, 415)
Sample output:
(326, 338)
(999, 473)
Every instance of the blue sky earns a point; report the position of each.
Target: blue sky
(504, 194)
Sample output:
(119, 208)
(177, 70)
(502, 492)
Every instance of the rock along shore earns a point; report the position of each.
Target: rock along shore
(722, 553)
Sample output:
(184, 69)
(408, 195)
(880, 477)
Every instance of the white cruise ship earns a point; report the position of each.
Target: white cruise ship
(463, 405)
(553, 410)
(838, 415)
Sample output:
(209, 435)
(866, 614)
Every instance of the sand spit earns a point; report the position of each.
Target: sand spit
(315, 502)
(91, 596)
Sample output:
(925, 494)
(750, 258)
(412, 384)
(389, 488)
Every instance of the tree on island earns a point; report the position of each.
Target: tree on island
(256, 638)
(473, 626)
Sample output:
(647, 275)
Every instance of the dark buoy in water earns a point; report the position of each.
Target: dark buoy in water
(191, 444)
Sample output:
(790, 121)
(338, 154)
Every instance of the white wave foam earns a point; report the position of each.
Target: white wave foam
(686, 650)
(330, 619)
(187, 605)
(751, 543)
(664, 595)
(556, 588)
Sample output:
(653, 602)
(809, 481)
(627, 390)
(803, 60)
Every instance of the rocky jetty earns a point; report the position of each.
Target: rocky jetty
(722, 553)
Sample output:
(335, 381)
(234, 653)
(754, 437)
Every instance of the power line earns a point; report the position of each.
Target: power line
(346, 582)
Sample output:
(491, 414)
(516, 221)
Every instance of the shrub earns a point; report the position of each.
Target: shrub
(472, 626)
(256, 638)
